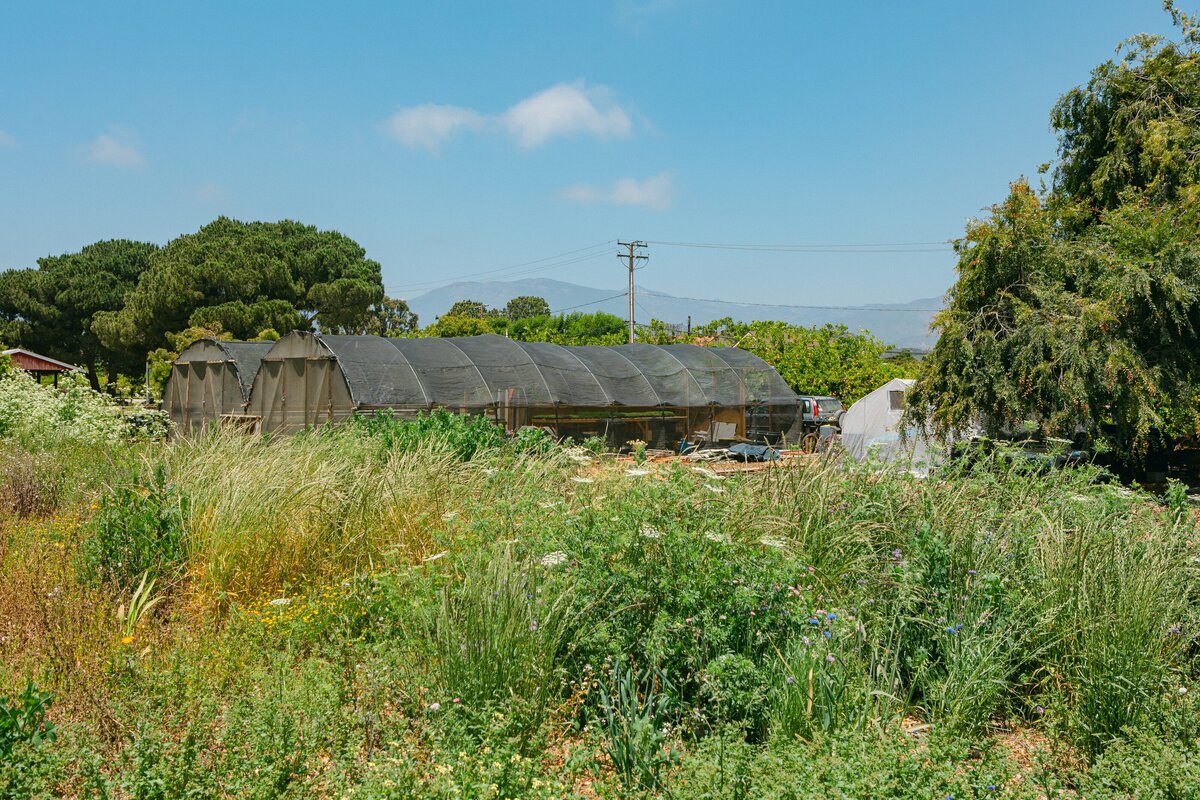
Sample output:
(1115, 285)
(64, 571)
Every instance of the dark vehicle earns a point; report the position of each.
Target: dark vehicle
(817, 413)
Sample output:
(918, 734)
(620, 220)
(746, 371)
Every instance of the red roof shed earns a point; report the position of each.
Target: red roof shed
(38, 364)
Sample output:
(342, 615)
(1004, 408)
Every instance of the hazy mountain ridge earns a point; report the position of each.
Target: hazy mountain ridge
(901, 324)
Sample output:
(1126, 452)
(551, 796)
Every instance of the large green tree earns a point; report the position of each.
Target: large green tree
(1076, 307)
(828, 360)
(246, 277)
(52, 309)
(526, 306)
(469, 308)
(389, 317)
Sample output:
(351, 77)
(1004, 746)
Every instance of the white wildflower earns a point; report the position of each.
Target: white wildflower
(636, 473)
(436, 556)
(555, 559)
(281, 601)
(772, 541)
(651, 533)
(714, 489)
(719, 538)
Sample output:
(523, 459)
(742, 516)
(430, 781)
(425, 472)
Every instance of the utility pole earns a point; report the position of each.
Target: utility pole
(631, 257)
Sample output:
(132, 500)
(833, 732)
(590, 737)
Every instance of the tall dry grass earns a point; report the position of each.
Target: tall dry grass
(265, 514)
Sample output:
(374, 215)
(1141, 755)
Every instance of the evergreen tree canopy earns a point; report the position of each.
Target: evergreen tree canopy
(51, 309)
(246, 277)
(1076, 306)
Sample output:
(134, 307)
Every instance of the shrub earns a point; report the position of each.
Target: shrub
(38, 416)
(32, 772)
(23, 719)
(463, 434)
(533, 441)
(1144, 765)
(846, 765)
(137, 531)
(733, 689)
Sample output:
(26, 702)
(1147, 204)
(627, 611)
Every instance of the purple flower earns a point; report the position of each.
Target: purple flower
(434, 706)
(829, 659)
(896, 554)
(951, 630)
(972, 572)
(790, 680)
(1039, 710)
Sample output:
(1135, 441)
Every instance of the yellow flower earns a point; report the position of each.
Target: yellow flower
(127, 640)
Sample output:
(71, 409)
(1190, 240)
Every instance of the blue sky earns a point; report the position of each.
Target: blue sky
(457, 138)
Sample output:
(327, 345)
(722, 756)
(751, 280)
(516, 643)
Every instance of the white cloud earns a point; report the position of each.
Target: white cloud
(635, 15)
(115, 148)
(7, 140)
(429, 125)
(208, 193)
(567, 109)
(655, 192)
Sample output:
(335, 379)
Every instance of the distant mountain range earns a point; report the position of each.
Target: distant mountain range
(899, 324)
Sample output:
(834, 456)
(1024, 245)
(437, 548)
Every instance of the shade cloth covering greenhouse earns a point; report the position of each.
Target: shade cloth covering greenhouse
(211, 378)
(483, 371)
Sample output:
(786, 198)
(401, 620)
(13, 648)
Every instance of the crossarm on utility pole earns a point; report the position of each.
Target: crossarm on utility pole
(631, 256)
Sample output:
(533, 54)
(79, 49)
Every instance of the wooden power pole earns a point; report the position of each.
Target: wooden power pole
(631, 257)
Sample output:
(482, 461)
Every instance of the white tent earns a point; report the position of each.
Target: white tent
(871, 428)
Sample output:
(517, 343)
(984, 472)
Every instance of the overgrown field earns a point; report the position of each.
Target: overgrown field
(426, 610)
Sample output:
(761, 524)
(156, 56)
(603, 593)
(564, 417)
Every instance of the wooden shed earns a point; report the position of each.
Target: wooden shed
(39, 365)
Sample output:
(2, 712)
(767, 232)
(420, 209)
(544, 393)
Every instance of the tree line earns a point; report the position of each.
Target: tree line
(117, 307)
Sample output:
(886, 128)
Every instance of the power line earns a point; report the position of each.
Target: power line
(448, 280)
(584, 305)
(860, 248)
(802, 308)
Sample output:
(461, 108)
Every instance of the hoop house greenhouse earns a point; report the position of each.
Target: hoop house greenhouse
(211, 379)
(657, 393)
